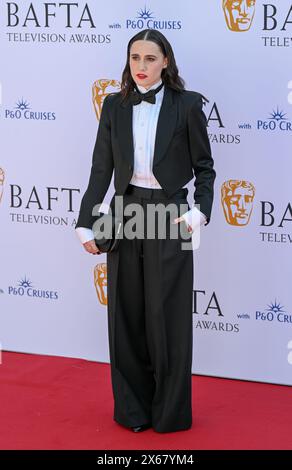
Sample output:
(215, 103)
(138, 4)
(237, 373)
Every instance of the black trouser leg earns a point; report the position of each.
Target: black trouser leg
(150, 331)
(132, 373)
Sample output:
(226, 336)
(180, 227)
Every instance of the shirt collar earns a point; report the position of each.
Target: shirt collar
(142, 89)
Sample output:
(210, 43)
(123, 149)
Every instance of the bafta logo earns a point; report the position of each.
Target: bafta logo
(100, 282)
(2, 178)
(239, 14)
(237, 201)
(100, 91)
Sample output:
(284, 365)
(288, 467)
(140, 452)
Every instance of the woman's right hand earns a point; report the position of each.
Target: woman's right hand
(91, 247)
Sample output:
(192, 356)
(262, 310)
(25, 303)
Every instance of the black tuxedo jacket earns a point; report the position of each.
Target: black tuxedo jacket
(182, 150)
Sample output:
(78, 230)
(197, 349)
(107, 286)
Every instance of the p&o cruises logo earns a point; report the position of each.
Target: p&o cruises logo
(25, 288)
(23, 110)
(276, 121)
(274, 312)
(145, 19)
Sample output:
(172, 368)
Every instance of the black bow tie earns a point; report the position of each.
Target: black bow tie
(136, 96)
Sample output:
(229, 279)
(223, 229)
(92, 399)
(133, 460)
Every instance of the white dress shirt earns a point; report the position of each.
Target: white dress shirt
(145, 118)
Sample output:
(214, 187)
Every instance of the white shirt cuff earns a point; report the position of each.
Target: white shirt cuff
(194, 218)
(84, 234)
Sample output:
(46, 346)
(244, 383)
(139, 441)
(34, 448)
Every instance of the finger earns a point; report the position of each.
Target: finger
(181, 219)
(91, 247)
(91, 250)
(178, 219)
(94, 248)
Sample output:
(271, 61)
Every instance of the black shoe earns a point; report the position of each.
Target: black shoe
(143, 427)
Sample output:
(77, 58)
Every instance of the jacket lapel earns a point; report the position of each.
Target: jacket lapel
(165, 127)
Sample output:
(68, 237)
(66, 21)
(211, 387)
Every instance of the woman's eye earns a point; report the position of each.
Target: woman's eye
(150, 58)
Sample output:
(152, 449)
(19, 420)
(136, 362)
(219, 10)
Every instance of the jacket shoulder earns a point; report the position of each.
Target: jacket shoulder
(112, 97)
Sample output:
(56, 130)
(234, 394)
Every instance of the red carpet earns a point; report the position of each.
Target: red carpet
(62, 403)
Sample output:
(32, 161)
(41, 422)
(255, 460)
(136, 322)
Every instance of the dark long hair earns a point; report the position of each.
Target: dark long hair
(169, 75)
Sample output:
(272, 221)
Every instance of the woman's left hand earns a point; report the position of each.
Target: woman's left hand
(181, 219)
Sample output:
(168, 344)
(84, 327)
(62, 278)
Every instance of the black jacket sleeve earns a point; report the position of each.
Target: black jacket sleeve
(101, 169)
(202, 160)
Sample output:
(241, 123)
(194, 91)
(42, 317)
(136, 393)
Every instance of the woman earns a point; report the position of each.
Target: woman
(153, 135)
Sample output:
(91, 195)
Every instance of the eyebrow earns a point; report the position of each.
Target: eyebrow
(147, 55)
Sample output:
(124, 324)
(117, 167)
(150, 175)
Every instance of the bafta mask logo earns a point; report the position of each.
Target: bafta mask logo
(100, 91)
(2, 178)
(100, 282)
(239, 14)
(237, 201)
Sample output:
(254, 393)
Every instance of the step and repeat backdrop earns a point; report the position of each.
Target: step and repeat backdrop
(58, 61)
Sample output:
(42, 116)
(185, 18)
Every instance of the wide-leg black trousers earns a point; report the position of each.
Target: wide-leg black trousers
(149, 290)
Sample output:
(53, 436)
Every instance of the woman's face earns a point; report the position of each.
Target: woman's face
(146, 62)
